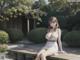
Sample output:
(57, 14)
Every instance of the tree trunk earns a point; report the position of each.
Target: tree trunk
(28, 25)
(34, 25)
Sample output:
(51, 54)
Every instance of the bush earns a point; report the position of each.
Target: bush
(37, 35)
(63, 33)
(3, 37)
(15, 35)
(72, 38)
(3, 47)
(76, 27)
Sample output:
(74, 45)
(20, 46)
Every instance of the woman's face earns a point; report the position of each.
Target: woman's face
(53, 23)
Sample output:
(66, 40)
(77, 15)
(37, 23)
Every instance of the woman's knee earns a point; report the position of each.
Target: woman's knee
(43, 54)
(40, 52)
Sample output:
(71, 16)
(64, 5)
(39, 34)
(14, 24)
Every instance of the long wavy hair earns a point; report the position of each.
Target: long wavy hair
(53, 19)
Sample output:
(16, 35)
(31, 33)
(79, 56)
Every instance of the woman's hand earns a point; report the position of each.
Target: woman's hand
(48, 35)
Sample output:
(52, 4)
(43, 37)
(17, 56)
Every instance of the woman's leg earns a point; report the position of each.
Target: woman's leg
(37, 57)
(51, 51)
(48, 52)
(43, 53)
(39, 54)
(43, 56)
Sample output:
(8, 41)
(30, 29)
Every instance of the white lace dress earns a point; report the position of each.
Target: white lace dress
(52, 41)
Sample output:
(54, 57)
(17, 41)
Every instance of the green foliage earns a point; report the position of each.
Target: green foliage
(36, 14)
(65, 11)
(64, 32)
(3, 37)
(42, 2)
(37, 35)
(15, 35)
(55, 7)
(3, 48)
(20, 9)
(14, 8)
(58, 4)
(76, 27)
(72, 38)
(61, 7)
(73, 22)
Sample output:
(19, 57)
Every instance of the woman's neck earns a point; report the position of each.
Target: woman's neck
(51, 30)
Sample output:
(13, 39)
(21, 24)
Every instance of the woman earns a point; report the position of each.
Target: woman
(53, 44)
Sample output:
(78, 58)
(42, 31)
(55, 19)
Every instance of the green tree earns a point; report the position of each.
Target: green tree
(63, 9)
(9, 7)
(17, 8)
(42, 2)
(12, 9)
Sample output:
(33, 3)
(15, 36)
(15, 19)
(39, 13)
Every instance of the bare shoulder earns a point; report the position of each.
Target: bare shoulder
(59, 29)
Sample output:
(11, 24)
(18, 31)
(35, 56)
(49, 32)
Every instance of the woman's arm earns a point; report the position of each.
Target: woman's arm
(59, 40)
(48, 35)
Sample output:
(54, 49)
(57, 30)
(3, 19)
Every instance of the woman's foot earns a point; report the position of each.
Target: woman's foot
(62, 52)
(55, 54)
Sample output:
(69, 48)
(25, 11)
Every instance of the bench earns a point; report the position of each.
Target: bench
(28, 52)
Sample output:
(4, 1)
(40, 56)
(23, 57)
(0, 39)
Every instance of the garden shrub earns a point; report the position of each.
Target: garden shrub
(76, 27)
(15, 35)
(63, 33)
(37, 35)
(4, 37)
(3, 48)
(72, 38)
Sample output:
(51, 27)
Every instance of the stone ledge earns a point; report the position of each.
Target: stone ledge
(30, 51)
